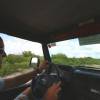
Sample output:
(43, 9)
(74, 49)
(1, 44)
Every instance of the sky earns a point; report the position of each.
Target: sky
(15, 45)
(71, 48)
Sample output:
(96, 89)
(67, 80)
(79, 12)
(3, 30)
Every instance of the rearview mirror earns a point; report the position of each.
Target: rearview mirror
(35, 61)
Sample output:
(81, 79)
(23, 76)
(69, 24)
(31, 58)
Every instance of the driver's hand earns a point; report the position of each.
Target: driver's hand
(43, 65)
(52, 92)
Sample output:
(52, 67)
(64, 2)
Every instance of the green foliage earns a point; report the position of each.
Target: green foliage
(27, 54)
(17, 63)
(14, 58)
(14, 63)
(59, 58)
(63, 59)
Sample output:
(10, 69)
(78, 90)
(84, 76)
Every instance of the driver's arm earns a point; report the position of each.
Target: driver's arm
(25, 95)
(52, 92)
(14, 81)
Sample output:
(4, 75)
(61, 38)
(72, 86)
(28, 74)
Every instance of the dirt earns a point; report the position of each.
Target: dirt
(19, 73)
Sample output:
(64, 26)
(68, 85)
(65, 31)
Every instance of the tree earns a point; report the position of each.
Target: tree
(28, 54)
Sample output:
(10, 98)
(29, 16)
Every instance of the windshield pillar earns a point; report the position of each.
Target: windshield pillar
(46, 52)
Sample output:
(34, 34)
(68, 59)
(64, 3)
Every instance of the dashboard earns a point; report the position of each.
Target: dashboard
(80, 83)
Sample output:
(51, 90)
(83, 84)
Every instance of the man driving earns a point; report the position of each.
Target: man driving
(11, 82)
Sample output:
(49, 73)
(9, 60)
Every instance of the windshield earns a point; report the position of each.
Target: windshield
(18, 55)
(77, 52)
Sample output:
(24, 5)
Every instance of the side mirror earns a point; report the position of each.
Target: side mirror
(34, 62)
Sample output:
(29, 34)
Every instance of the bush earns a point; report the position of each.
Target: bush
(63, 59)
(15, 63)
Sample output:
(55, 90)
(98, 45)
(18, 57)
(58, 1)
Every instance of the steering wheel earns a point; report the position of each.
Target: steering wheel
(44, 80)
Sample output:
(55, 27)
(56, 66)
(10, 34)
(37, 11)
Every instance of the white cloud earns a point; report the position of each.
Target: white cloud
(72, 49)
(17, 46)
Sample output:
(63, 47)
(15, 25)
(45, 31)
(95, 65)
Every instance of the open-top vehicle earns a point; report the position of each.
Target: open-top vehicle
(52, 23)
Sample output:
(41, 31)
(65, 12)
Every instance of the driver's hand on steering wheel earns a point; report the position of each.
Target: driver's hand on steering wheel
(43, 65)
(52, 92)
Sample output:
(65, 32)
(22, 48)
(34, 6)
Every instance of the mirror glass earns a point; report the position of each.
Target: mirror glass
(34, 62)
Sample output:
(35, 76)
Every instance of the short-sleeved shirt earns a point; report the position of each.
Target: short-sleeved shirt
(2, 84)
(21, 96)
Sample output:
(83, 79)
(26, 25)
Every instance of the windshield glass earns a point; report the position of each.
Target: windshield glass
(77, 52)
(18, 55)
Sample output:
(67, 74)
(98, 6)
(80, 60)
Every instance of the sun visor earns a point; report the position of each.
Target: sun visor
(94, 39)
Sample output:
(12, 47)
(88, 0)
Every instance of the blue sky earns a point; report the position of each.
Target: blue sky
(71, 48)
